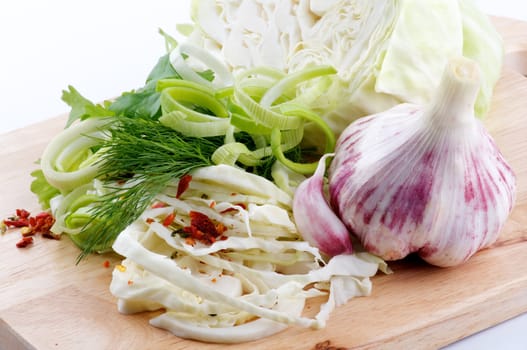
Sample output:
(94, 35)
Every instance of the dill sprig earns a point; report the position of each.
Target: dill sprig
(145, 156)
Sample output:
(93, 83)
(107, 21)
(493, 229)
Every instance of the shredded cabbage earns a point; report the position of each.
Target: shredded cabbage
(250, 285)
(386, 51)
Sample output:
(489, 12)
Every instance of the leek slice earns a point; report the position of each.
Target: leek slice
(264, 116)
(302, 168)
(249, 125)
(294, 109)
(223, 76)
(60, 162)
(230, 153)
(181, 122)
(175, 98)
(292, 81)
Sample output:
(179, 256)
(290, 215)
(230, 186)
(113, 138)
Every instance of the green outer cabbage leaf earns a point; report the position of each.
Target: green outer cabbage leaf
(483, 44)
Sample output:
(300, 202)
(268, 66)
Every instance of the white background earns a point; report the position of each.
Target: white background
(105, 47)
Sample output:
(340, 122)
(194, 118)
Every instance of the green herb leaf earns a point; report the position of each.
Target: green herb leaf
(145, 102)
(141, 104)
(162, 70)
(81, 107)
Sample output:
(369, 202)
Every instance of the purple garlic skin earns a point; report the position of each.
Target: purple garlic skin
(315, 219)
(426, 180)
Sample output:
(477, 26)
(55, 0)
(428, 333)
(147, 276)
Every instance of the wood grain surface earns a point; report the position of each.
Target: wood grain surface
(48, 302)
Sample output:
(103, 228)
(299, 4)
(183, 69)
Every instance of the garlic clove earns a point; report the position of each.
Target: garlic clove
(425, 179)
(314, 218)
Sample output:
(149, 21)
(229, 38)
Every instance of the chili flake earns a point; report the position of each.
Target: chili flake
(228, 210)
(106, 264)
(158, 205)
(233, 209)
(41, 223)
(169, 219)
(21, 219)
(183, 184)
(24, 242)
(30, 226)
(203, 229)
(202, 223)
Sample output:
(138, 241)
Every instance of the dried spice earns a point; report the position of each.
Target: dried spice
(201, 229)
(30, 226)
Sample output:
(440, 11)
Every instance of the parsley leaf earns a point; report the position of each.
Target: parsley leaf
(162, 70)
(145, 102)
(81, 107)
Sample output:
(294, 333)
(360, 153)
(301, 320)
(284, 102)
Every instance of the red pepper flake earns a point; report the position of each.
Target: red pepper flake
(229, 210)
(41, 223)
(20, 219)
(31, 225)
(202, 222)
(106, 264)
(22, 213)
(130, 282)
(15, 222)
(158, 205)
(169, 219)
(24, 242)
(232, 209)
(183, 184)
(212, 204)
(203, 229)
(149, 220)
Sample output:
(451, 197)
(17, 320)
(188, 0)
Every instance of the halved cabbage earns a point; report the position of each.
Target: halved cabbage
(386, 51)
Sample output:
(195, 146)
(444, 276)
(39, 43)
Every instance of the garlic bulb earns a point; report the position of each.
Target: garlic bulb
(420, 179)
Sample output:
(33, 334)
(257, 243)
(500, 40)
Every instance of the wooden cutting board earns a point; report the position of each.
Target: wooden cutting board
(48, 302)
